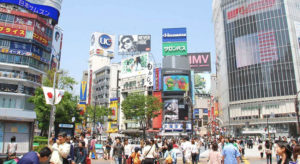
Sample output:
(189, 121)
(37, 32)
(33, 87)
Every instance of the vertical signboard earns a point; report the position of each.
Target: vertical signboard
(83, 92)
(157, 121)
(193, 86)
(157, 79)
(56, 47)
(149, 76)
(114, 109)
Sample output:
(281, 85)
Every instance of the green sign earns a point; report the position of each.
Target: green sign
(174, 48)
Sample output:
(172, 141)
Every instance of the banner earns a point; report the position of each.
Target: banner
(157, 79)
(47, 8)
(114, 109)
(134, 66)
(176, 83)
(102, 44)
(171, 110)
(56, 47)
(12, 31)
(130, 44)
(83, 91)
(174, 35)
(174, 48)
(200, 62)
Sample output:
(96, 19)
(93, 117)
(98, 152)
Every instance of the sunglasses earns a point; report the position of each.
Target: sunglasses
(127, 41)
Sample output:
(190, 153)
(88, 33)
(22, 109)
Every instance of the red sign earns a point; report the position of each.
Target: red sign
(90, 86)
(157, 79)
(40, 39)
(157, 121)
(248, 8)
(12, 31)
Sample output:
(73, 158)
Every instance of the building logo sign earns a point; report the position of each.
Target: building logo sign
(250, 8)
(200, 62)
(174, 35)
(105, 41)
(175, 48)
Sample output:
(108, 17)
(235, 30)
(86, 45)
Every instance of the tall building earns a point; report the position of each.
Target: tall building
(26, 31)
(257, 47)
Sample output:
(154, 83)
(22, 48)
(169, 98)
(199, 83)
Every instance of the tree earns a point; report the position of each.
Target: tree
(141, 108)
(65, 110)
(97, 112)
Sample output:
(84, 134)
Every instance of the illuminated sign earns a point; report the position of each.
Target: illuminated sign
(174, 48)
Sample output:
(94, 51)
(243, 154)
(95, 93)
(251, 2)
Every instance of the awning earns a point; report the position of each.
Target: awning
(131, 131)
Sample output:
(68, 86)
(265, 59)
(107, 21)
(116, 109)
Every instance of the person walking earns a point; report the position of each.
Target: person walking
(261, 148)
(284, 151)
(118, 151)
(60, 150)
(195, 152)
(170, 155)
(108, 147)
(296, 154)
(231, 154)
(36, 157)
(93, 147)
(268, 150)
(12, 147)
(149, 153)
(81, 154)
(127, 150)
(71, 156)
(214, 156)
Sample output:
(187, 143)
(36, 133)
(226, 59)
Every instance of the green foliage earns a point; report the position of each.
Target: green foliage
(65, 110)
(141, 108)
(98, 113)
(39, 148)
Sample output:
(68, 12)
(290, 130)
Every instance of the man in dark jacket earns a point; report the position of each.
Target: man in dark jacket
(118, 151)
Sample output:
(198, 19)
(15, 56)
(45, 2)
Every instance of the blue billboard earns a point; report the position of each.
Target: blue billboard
(36, 8)
(174, 35)
(20, 48)
(83, 91)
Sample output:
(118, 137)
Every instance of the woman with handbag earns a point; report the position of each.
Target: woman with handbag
(149, 153)
(268, 150)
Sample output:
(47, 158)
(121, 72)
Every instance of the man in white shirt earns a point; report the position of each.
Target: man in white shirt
(186, 148)
(127, 149)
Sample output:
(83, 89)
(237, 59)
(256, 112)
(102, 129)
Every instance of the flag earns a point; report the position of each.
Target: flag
(49, 95)
(59, 95)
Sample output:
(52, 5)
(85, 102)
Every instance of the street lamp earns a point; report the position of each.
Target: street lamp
(52, 112)
(297, 112)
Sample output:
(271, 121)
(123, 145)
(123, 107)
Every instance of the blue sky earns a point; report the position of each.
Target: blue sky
(80, 18)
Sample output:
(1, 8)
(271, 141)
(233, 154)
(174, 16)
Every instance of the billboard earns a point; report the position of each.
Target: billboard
(174, 48)
(130, 44)
(255, 48)
(174, 35)
(157, 79)
(114, 109)
(202, 83)
(102, 44)
(56, 47)
(200, 62)
(250, 8)
(83, 91)
(12, 31)
(297, 27)
(47, 8)
(171, 110)
(20, 48)
(135, 65)
(176, 83)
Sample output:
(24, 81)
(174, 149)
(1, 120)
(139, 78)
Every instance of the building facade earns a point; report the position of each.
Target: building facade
(25, 56)
(257, 51)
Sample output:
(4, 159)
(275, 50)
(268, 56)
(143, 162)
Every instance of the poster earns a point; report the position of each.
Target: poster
(171, 110)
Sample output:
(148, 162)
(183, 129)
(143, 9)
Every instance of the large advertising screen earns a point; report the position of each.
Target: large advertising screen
(47, 8)
(297, 27)
(200, 62)
(56, 47)
(202, 83)
(255, 48)
(102, 44)
(174, 48)
(171, 110)
(176, 83)
(131, 44)
(135, 65)
(174, 35)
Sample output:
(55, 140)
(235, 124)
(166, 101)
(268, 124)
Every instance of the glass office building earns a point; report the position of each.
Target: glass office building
(260, 45)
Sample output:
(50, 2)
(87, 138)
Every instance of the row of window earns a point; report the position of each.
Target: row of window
(20, 75)
(16, 89)
(264, 116)
(24, 60)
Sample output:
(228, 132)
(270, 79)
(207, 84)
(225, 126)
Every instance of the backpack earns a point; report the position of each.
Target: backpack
(169, 159)
(136, 159)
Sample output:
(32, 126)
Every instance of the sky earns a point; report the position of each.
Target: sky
(80, 18)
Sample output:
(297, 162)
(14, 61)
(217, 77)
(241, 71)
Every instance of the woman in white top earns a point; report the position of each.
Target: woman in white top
(215, 156)
(194, 152)
(149, 153)
(60, 149)
(127, 149)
